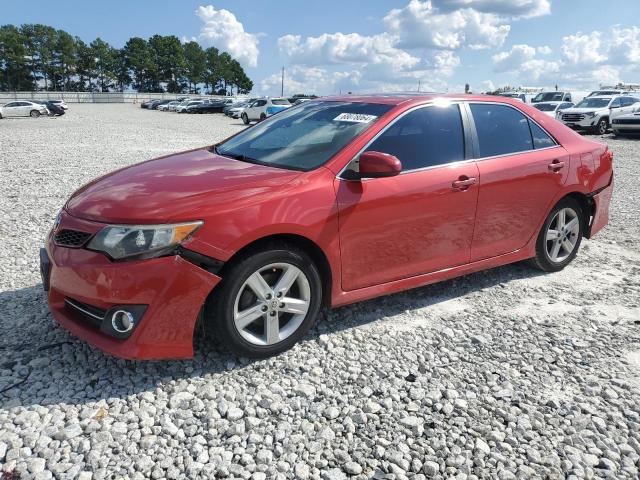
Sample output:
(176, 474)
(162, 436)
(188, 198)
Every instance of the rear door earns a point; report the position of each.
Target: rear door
(522, 168)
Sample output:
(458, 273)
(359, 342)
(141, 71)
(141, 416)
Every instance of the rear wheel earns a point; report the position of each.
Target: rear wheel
(262, 116)
(266, 302)
(245, 119)
(559, 239)
(34, 114)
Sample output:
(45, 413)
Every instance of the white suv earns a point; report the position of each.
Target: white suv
(263, 108)
(594, 113)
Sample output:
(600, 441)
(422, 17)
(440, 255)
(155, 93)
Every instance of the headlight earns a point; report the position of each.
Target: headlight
(590, 114)
(141, 241)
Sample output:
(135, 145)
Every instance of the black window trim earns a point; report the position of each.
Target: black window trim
(476, 142)
(466, 133)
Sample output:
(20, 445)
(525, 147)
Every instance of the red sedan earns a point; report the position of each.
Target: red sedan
(331, 202)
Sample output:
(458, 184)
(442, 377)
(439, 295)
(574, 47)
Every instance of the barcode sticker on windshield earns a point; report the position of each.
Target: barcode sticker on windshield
(355, 118)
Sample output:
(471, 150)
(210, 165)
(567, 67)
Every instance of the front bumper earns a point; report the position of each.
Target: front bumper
(584, 124)
(172, 289)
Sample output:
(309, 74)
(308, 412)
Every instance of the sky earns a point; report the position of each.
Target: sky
(334, 46)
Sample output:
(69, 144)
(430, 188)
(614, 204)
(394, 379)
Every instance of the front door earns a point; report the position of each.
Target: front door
(419, 221)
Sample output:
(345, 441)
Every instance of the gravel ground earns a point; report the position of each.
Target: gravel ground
(502, 374)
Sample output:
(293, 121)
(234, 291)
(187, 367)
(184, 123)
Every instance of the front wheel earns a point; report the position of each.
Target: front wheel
(602, 126)
(34, 114)
(266, 302)
(559, 239)
(245, 119)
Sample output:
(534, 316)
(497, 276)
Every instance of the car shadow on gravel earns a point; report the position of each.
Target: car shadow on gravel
(42, 364)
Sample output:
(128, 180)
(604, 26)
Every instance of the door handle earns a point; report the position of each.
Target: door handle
(556, 165)
(463, 182)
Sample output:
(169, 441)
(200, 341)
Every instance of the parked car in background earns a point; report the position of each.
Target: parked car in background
(158, 103)
(627, 123)
(165, 106)
(263, 108)
(522, 96)
(182, 108)
(211, 106)
(552, 108)
(146, 103)
(553, 96)
(607, 92)
(59, 103)
(53, 108)
(593, 114)
(332, 202)
(23, 108)
(235, 110)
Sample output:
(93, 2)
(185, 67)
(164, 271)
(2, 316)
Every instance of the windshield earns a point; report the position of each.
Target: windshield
(604, 92)
(593, 103)
(545, 107)
(280, 102)
(303, 137)
(548, 96)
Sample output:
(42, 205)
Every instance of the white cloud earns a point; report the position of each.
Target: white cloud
(302, 79)
(544, 50)
(583, 50)
(421, 24)
(222, 30)
(514, 58)
(511, 8)
(340, 48)
(624, 45)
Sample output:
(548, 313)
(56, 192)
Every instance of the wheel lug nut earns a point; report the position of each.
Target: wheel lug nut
(282, 305)
(279, 294)
(264, 308)
(269, 296)
(273, 314)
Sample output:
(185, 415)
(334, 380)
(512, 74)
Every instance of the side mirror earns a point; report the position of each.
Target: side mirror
(378, 164)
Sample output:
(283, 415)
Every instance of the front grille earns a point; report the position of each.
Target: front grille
(572, 117)
(627, 121)
(71, 238)
(93, 314)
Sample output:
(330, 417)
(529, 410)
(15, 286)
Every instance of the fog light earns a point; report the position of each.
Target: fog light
(122, 321)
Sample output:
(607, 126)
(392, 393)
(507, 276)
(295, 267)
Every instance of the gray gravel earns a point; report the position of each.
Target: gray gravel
(502, 374)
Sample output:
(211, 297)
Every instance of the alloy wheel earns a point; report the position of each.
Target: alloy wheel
(272, 303)
(562, 234)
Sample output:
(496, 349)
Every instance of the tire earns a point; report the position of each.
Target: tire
(245, 119)
(262, 116)
(234, 296)
(602, 126)
(34, 114)
(549, 256)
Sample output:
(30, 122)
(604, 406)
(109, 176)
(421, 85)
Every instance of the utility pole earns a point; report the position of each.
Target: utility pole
(282, 84)
(418, 86)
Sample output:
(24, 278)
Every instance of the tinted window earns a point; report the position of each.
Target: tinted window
(12, 104)
(303, 137)
(260, 103)
(424, 138)
(616, 103)
(501, 130)
(540, 137)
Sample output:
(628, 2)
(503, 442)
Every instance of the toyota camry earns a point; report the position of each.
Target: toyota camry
(330, 202)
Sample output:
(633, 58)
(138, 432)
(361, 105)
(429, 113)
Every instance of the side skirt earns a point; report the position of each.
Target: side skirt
(366, 293)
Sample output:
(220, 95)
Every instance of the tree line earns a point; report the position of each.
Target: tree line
(39, 57)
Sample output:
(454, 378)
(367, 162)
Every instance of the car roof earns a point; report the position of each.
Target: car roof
(403, 98)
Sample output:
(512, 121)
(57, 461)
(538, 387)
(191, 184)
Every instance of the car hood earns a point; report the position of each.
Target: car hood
(583, 110)
(175, 187)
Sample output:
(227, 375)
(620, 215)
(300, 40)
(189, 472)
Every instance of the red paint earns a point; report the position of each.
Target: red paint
(378, 164)
(379, 235)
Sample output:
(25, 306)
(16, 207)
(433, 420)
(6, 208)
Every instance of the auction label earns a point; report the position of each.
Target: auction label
(355, 118)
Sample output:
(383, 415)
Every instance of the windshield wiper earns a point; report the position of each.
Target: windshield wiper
(237, 156)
